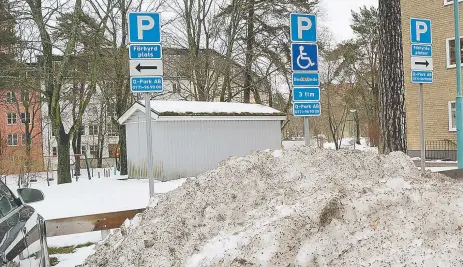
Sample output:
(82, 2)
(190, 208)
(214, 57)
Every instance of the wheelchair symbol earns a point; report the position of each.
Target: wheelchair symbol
(303, 61)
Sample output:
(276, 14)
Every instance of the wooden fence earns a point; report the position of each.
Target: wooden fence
(89, 223)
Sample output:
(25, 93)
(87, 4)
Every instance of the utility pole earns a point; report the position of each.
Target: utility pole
(459, 100)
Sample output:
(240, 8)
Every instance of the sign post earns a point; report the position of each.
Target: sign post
(146, 70)
(304, 54)
(422, 137)
(422, 69)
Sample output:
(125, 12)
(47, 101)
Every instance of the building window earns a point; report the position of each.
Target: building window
(82, 130)
(10, 97)
(452, 117)
(11, 118)
(176, 87)
(111, 110)
(113, 150)
(56, 66)
(93, 130)
(449, 2)
(25, 117)
(12, 140)
(451, 60)
(24, 97)
(94, 151)
(54, 151)
(24, 139)
(112, 130)
(84, 149)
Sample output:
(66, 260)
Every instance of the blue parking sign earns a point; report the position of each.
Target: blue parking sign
(303, 28)
(304, 57)
(306, 94)
(420, 31)
(307, 109)
(144, 27)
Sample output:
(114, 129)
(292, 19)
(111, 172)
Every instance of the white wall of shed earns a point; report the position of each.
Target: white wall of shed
(188, 148)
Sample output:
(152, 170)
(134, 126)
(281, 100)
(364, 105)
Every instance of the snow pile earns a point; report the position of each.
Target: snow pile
(299, 207)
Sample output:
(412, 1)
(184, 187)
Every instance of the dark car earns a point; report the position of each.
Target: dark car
(22, 231)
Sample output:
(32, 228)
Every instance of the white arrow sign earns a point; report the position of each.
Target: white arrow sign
(146, 67)
(422, 63)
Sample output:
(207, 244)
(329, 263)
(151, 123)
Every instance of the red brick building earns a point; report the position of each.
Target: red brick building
(20, 118)
(17, 122)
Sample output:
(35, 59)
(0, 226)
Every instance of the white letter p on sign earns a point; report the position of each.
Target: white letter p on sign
(303, 24)
(421, 28)
(142, 27)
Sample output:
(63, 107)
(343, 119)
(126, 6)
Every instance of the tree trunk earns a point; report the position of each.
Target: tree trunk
(64, 165)
(123, 150)
(391, 84)
(249, 53)
(122, 97)
(357, 125)
(270, 97)
(231, 34)
(28, 162)
(76, 146)
(100, 151)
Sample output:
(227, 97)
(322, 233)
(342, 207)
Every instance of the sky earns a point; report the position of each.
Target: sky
(336, 15)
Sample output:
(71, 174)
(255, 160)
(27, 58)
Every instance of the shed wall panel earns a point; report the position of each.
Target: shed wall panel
(188, 148)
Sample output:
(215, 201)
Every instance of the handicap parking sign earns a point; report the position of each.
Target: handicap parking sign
(304, 57)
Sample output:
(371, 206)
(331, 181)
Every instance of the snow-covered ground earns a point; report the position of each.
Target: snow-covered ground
(346, 143)
(76, 258)
(86, 197)
(439, 169)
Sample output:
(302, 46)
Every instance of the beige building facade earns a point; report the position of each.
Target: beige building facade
(439, 97)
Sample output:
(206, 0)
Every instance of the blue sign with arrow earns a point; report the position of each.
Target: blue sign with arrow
(304, 57)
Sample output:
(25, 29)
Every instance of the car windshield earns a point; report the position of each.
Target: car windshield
(7, 201)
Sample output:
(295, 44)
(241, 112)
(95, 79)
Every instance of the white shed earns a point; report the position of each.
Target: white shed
(192, 137)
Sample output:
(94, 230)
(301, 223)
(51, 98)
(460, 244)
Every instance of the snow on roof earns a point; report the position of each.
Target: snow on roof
(195, 110)
(191, 108)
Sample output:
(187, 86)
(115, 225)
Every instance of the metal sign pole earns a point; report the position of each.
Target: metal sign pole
(423, 144)
(306, 131)
(459, 99)
(146, 70)
(149, 141)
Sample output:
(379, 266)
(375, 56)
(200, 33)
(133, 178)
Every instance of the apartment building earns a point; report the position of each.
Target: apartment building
(20, 118)
(14, 115)
(439, 97)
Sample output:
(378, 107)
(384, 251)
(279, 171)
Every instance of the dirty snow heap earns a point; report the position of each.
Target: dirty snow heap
(298, 207)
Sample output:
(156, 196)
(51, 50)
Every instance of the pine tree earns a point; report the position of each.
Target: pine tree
(266, 34)
(391, 84)
(8, 40)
